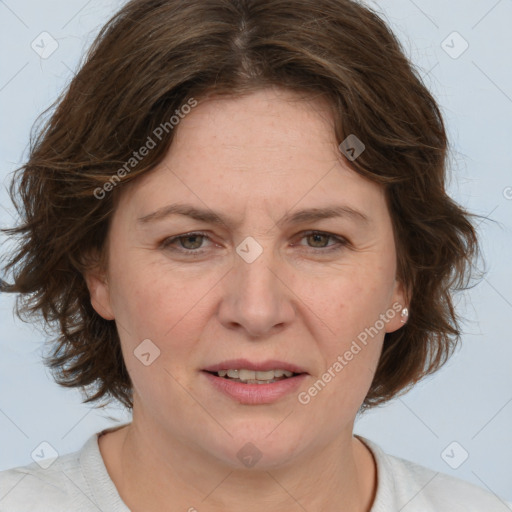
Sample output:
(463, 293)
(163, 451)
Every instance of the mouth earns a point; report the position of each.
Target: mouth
(254, 383)
(247, 376)
(248, 386)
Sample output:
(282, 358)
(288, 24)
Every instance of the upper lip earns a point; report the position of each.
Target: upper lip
(244, 364)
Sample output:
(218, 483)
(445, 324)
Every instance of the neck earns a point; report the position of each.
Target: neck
(152, 469)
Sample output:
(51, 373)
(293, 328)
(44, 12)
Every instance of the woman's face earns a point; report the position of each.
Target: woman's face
(248, 286)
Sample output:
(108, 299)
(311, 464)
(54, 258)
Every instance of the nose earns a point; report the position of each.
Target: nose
(256, 299)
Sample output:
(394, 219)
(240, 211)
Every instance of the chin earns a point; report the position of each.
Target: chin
(262, 448)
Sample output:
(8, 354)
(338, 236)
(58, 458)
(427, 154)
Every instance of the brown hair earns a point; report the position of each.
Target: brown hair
(147, 62)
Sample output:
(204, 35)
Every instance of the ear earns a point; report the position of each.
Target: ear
(97, 283)
(397, 308)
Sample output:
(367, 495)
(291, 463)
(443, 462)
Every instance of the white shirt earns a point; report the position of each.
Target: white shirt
(79, 482)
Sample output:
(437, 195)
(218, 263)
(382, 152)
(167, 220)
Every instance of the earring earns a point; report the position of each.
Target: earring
(404, 314)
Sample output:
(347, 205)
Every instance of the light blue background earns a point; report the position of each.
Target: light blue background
(470, 400)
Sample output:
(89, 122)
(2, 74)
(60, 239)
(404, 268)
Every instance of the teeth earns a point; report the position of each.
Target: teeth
(254, 377)
(246, 374)
(264, 375)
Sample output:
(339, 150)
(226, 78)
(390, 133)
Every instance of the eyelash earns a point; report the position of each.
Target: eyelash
(167, 243)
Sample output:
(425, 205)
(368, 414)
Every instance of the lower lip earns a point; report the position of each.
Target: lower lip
(255, 394)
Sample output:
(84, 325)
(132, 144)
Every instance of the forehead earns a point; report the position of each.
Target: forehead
(267, 122)
(264, 151)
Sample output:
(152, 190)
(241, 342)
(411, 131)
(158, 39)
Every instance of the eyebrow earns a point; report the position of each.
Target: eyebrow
(297, 217)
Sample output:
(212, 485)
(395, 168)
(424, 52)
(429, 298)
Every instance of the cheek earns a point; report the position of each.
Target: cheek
(348, 301)
(346, 317)
(170, 308)
(153, 299)
(171, 313)
(349, 356)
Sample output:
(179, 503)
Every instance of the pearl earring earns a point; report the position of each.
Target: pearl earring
(404, 314)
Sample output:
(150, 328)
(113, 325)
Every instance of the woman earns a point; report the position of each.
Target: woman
(238, 221)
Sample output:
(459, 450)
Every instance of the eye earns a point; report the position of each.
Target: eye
(194, 243)
(322, 240)
(318, 239)
(189, 242)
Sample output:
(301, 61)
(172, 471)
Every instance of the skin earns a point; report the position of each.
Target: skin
(252, 159)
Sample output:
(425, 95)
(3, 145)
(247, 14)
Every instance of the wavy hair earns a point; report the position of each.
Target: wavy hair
(145, 64)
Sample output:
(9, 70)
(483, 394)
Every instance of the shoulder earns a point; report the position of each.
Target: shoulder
(409, 487)
(77, 482)
(34, 488)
